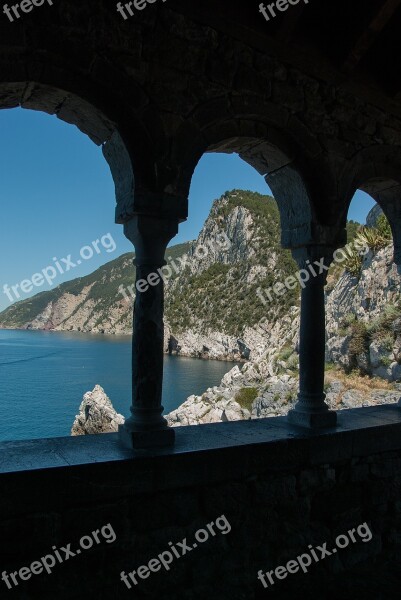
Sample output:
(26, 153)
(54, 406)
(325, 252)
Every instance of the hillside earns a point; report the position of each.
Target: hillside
(90, 304)
(211, 304)
(363, 349)
(213, 309)
(219, 292)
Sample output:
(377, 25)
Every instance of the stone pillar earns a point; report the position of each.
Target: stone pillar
(147, 427)
(311, 409)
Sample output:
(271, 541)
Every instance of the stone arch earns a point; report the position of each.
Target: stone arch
(90, 120)
(377, 171)
(279, 147)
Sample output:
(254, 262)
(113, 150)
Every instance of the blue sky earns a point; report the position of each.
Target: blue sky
(57, 196)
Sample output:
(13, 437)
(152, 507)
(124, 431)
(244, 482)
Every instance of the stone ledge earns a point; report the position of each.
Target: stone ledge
(359, 432)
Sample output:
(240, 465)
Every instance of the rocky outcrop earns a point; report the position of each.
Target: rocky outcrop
(96, 414)
(91, 304)
(373, 215)
(364, 318)
(363, 334)
(211, 307)
(209, 345)
(274, 397)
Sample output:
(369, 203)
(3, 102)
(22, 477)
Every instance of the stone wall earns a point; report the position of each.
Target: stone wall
(162, 89)
(281, 489)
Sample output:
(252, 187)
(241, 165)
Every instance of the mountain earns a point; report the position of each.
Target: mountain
(211, 305)
(363, 347)
(217, 303)
(89, 304)
(363, 353)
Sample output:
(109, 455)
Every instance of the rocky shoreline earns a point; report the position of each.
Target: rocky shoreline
(239, 397)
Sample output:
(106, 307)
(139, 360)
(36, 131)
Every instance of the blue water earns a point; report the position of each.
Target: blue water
(43, 376)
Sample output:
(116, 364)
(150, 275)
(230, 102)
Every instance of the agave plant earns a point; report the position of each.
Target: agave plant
(353, 263)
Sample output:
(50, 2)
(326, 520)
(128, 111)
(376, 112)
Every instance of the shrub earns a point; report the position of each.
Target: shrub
(383, 227)
(289, 397)
(391, 313)
(387, 343)
(348, 320)
(285, 353)
(386, 361)
(374, 238)
(359, 342)
(352, 230)
(353, 263)
(293, 363)
(246, 397)
(380, 328)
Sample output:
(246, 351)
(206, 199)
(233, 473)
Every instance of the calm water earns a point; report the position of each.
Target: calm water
(43, 376)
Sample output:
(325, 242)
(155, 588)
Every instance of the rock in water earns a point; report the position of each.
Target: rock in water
(96, 414)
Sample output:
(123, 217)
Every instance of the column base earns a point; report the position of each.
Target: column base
(317, 420)
(146, 439)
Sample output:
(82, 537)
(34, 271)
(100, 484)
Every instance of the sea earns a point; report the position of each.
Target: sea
(44, 375)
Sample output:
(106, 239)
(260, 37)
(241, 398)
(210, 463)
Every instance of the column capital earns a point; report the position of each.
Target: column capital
(150, 236)
(316, 260)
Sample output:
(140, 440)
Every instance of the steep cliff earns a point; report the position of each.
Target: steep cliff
(364, 318)
(93, 303)
(212, 309)
(363, 349)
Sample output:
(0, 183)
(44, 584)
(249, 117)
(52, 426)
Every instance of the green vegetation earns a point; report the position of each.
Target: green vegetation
(353, 264)
(352, 229)
(285, 353)
(246, 397)
(383, 228)
(222, 296)
(104, 286)
(379, 330)
(289, 397)
(374, 238)
(359, 342)
(293, 363)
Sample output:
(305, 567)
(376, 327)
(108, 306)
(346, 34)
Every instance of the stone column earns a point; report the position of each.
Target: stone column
(147, 427)
(311, 409)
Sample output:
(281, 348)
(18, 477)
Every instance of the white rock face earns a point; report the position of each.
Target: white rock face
(205, 344)
(366, 299)
(379, 285)
(213, 406)
(96, 414)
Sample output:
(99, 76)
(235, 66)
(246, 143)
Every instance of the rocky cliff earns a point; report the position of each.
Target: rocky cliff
(363, 352)
(96, 414)
(213, 304)
(364, 318)
(212, 309)
(93, 304)
(363, 301)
